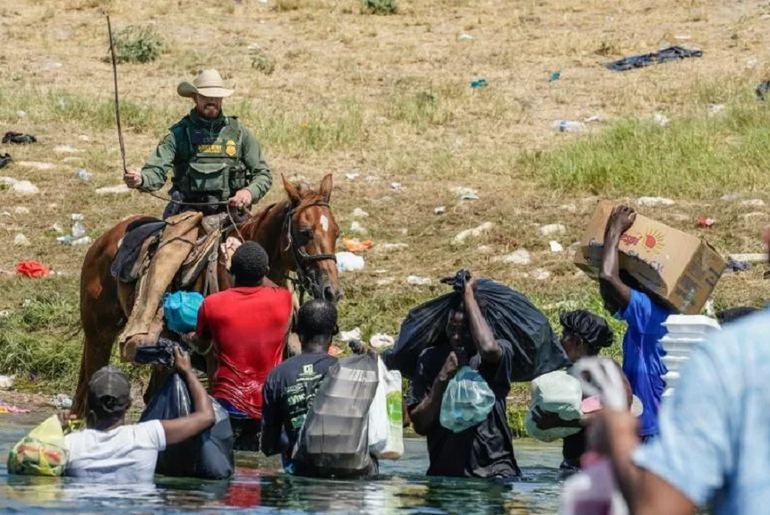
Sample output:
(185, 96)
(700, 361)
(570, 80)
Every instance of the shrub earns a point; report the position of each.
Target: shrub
(262, 62)
(138, 44)
(382, 7)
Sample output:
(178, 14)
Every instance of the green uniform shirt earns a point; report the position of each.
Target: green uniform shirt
(215, 157)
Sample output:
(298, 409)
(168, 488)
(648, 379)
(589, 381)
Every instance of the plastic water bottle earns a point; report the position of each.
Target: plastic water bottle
(78, 227)
(570, 126)
(84, 175)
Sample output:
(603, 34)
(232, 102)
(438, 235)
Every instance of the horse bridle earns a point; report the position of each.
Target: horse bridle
(305, 280)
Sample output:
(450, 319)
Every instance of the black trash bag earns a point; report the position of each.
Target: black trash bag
(161, 354)
(334, 440)
(206, 456)
(510, 315)
(673, 53)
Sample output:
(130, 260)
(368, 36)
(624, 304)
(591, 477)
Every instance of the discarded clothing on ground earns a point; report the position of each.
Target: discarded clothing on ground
(333, 441)
(736, 266)
(5, 159)
(19, 138)
(511, 316)
(206, 456)
(763, 87)
(673, 53)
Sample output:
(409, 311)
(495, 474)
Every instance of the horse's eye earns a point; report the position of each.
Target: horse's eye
(305, 234)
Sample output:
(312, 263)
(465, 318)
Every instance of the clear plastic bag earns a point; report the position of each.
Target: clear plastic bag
(467, 401)
(386, 430)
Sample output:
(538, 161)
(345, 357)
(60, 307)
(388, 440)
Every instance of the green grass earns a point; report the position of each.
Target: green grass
(381, 7)
(136, 44)
(697, 155)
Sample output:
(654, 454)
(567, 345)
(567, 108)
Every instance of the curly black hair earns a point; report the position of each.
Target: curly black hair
(592, 329)
(317, 317)
(249, 264)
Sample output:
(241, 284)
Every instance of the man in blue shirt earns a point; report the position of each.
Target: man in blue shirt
(642, 351)
(713, 444)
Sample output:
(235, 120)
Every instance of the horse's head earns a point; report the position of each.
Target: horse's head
(312, 233)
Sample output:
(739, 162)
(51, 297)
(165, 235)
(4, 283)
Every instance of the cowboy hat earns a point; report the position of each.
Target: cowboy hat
(208, 83)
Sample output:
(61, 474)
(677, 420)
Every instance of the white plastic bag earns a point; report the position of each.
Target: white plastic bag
(386, 433)
(467, 401)
(557, 392)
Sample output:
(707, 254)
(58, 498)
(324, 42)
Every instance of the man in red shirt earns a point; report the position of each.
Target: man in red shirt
(245, 326)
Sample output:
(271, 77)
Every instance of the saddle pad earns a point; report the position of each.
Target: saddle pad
(131, 245)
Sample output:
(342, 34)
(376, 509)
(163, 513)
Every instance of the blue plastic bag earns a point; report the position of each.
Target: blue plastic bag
(181, 310)
(467, 401)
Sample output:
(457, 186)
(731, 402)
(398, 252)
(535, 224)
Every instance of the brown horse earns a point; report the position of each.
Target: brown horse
(299, 235)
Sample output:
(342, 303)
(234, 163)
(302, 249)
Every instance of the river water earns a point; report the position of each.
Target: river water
(259, 487)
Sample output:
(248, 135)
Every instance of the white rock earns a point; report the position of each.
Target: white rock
(660, 119)
(485, 249)
(21, 114)
(654, 201)
(468, 233)
(418, 281)
(518, 257)
(354, 335)
(556, 246)
(751, 63)
(352, 176)
(84, 137)
(550, 229)
(25, 188)
(7, 181)
(21, 240)
(37, 165)
(349, 262)
(439, 210)
(66, 149)
(539, 274)
(466, 37)
(569, 208)
(730, 197)
(396, 186)
(357, 228)
(118, 189)
(382, 341)
(21, 210)
(359, 213)
(52, 66)
(386, 281)
(390, 247)
(757, 202)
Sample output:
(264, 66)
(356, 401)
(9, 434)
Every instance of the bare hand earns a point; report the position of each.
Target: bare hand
(606, 425)
(241, 200)
(451, 365)
(65, 417)
(182, 361)
(621, 219)
(133, 178)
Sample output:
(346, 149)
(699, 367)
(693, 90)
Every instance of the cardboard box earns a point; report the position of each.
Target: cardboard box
(677, 268)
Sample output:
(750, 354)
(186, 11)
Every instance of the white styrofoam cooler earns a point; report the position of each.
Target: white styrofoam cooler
(684, 333)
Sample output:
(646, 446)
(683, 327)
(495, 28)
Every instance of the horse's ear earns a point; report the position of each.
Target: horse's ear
(291, 191)
(326, 187)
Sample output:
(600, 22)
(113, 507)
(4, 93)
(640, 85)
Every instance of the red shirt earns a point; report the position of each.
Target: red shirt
(247, 326)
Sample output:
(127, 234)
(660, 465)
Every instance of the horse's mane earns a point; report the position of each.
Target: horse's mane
(250, 226)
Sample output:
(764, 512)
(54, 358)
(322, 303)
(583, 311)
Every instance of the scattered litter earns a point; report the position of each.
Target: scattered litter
(62, 401)
(52, 66)
(356, 227)
(734, 265)
(518, 257)
(440, 210)
(350, 336)
(752, 63)
(673, 53)
(66, 149)
(480, 83)
(485, 249)
(57, 228)
(6, 213)
(478, 231)
(706, 222)
(556, 246)
(359, 213)
(78, 227)
(6, 382)
(83, 137)
(390, 247)
(5, 159)
(554, 76)
(594, 118)
(464, 193)
(382, 341)
(8, 408)
(683, 37)
(19, 138)
(749, 258)
(731, 197)
(757, 202)
(25, 188)
(716, 108)
(709, 308)
(660, 119)
(352, 176)
(5, 313)
(32, 269)
(539, 274)
(84, 175)
(570, 126)
(418, 281)
(355, 245)
(120, 188)
(763, 87)
(334, 350)
(69, 240)
(349, 262)
(570, 208)
(654, 201)
(466, 37)
(21, 240)
(396, 186)
(386, 281)
(37, 165)
(548, 230)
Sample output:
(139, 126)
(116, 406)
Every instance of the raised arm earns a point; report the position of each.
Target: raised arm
(615, 293)
(426, 413)
(481, 333)
(180, 429)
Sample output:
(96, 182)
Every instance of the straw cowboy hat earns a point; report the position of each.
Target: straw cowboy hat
(208, 83)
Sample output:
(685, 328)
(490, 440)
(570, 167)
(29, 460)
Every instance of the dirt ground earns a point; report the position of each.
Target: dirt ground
(384, 97)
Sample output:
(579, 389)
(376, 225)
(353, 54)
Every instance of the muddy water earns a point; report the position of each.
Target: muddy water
(259, 487)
